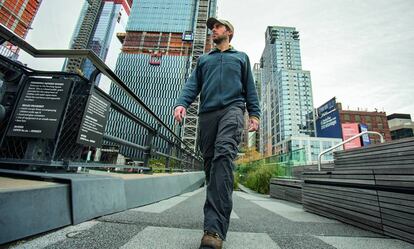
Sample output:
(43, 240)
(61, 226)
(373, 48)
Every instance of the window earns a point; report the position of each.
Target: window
(346, 117)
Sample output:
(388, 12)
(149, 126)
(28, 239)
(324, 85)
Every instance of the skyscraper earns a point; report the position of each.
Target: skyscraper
(110, 17)
(17, 15)
(286, 91)
(83, 33)
(254, 137)
(112, 20)
(162, 42)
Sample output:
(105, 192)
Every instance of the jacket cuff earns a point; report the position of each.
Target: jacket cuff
(177, 105)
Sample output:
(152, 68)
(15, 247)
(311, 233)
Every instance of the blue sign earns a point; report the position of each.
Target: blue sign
(365, 138)
(327, 107)
(329, 125)
(187, 36)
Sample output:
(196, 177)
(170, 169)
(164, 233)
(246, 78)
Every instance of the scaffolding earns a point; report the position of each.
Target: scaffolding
(190, 128)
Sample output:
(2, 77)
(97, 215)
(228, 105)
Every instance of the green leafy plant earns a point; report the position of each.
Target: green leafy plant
(236, 181)
(257, 175)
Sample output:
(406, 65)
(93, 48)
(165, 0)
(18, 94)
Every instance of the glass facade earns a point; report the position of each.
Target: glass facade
(112, 18)
(157, 86)
(312, 146)
(286, 95)
(79, 23)
(112, 15)
(162, 15)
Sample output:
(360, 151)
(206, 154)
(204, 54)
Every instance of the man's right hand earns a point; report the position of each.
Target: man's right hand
(179, 113)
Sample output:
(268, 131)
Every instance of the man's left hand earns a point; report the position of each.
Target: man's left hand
(253, 124)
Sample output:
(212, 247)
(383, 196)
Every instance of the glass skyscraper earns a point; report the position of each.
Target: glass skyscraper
(112, 19)
(156, 59)
(286, 92)
(103, 19)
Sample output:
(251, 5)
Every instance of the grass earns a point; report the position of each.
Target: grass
(256, 176)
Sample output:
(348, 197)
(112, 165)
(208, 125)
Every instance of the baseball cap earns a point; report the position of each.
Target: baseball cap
(211, 21)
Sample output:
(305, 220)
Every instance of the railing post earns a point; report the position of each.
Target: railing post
(192, 162)
(346, 141)
(167, 160)
(180, 156)
(148, 151)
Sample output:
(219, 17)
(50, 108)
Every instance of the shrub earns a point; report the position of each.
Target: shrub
(257, 176)
(236, 181)
(157, 165)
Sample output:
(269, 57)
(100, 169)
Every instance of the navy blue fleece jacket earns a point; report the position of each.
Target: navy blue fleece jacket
(222, 79)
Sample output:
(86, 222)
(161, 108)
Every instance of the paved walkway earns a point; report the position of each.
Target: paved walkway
(258, 222)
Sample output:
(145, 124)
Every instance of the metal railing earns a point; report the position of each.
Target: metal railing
(182, 150)
(346, 141)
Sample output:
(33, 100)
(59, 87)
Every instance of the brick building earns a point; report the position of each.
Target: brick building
(376, 121)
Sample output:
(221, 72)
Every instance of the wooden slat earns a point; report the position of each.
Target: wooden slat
(398, 220)
(397, 213)
(378, 151)
(393, 161)
(342, 189)
(397, 207)
(397, 156)
(355, 199)
(394, 171)
(377, 147)
(342, 181)
(373, 210)
(291, 183)
(321, 211)
(286, 193)
(396, 201)
(405, 178)
(352, 211)
(349, 215)
(398, 234)
(395, 184)
(399, 226)
(374, 167)
(395, 195)
(342, 172)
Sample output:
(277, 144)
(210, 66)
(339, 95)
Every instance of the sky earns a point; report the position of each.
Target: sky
(360, 52)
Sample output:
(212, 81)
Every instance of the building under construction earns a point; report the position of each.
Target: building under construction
(17, 15)
(160, 48)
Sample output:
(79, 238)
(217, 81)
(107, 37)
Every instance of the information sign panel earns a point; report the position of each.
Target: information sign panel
(40, 108)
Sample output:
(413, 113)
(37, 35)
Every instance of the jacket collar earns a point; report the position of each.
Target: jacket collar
(216, 50)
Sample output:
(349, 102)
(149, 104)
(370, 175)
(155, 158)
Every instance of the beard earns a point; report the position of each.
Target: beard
(219, 39)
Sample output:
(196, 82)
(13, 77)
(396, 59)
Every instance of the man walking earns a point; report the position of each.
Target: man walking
(224, 80)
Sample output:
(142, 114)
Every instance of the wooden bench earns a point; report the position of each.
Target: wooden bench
(372, 188)
(286, 189)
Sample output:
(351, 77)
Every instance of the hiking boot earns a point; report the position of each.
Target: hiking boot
(211, 241)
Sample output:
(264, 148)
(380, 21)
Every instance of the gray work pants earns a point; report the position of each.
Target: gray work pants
(220, 134)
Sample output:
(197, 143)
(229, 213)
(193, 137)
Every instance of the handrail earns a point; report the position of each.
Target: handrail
(7, 35)
(346, 141)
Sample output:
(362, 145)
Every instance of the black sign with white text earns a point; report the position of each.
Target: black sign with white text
(93, 121)
(40, 108)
